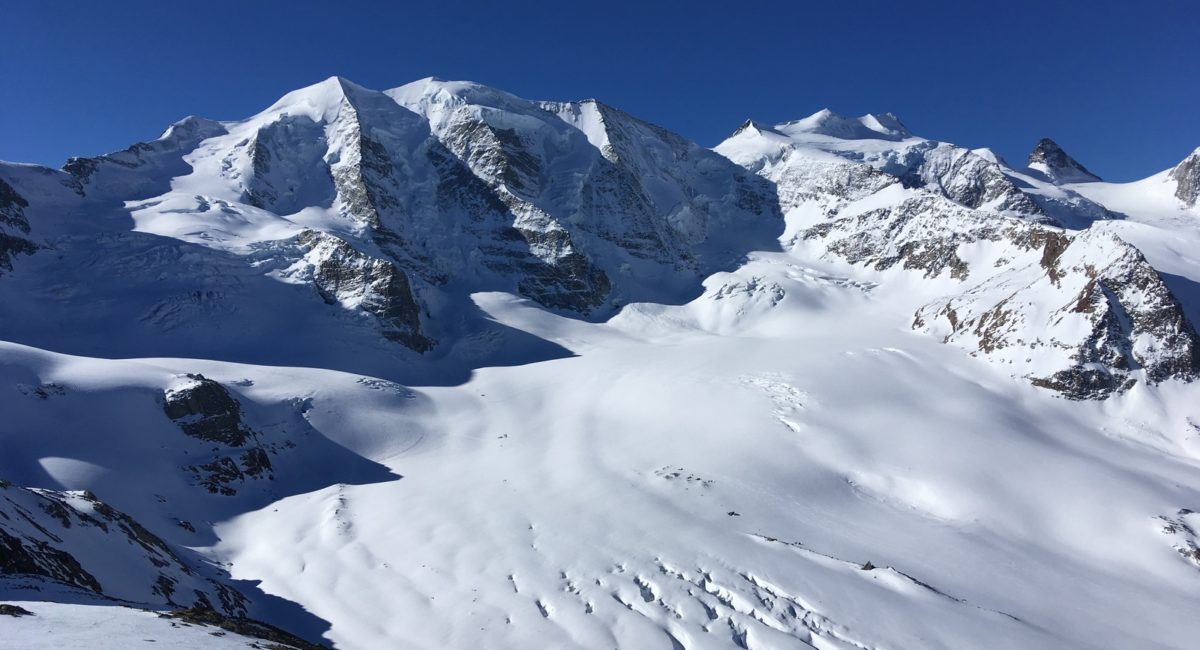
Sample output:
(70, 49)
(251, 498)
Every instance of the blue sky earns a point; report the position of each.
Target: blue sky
(1116, 83)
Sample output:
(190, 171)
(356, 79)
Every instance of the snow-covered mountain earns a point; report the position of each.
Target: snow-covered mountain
(1075, 311)
(440, 366)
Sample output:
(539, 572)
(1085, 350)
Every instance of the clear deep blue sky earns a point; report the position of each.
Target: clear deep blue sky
(1116, 83)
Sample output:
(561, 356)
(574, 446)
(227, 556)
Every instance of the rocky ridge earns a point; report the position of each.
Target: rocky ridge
(75, 539)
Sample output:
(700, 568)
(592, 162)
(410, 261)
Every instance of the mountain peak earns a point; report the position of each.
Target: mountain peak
(753, 125)
(436, 90)
(320, 101)
(829, 123)
(1050, 159)
(191, 126)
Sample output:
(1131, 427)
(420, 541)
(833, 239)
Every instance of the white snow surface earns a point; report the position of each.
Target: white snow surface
(780, 462)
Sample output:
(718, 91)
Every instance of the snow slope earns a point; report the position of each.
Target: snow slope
(280, 347)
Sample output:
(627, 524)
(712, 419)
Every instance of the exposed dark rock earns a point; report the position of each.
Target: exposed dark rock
(1187, 178)
(38, 558)
(45, 391)
(343, 275)
(13, 221)
(13, 610)
(204, 409)
(1182, 528)
(217, 475)
(975, 182)
(901, 235)
(12, 208)
(200, 615)
(51, 535)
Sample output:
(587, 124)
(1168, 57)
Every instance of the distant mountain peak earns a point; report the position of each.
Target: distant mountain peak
(826, 122)
(1050, 159)
(753, 125)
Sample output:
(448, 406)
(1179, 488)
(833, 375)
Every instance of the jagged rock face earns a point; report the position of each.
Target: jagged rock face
(907, 235)
(75, 539)
(346, 277)
(12, 221)
(488, 188)
(1187, 178)
(973, 181)
(473, 187)
(1050, 159)
(205, 410)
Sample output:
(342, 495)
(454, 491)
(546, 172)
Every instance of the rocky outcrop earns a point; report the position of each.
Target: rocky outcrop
(1050, 159)
(75, 539)
(240, 625)
(205, 410)
(912, 235)
(1187, 179)
(1182, 529)
(971, 180)
(347, 277)
(13, 226)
